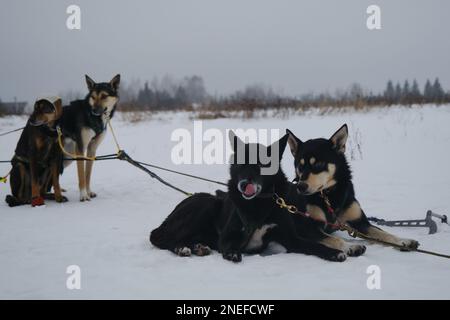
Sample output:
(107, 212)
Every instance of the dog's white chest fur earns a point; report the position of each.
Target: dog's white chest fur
(87, 134)
(256, 240)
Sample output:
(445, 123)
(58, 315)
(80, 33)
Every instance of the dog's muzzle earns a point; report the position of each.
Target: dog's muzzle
(249, 189)
(98, 111)
(302, 187)
(36, 123)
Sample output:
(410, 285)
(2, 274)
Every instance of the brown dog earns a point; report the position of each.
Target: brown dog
(37, 162)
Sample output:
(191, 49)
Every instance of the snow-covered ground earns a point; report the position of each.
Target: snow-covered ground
(400, 171)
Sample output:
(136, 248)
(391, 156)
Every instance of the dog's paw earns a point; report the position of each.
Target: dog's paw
(92, 194)
(338, 257)
(409, 244)
(355, 250)
(232, 256)
(183, 251)
(61, 199)
(201, 250)
(37, 201)
(84, 196)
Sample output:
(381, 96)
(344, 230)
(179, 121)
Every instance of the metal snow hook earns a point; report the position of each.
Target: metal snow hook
(428, 222)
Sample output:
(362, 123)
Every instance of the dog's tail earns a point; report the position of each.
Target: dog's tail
(13, 201)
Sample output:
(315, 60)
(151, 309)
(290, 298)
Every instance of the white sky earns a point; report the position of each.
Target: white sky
(294, 46)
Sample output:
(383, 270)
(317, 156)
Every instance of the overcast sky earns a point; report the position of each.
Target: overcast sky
(295, 46)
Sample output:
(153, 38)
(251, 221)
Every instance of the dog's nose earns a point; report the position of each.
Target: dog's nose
(243, 183)
(302, 186)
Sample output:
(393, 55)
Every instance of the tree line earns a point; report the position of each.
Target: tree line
(411, 93)
(190, 92)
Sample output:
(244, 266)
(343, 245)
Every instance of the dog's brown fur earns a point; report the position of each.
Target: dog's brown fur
(37, 162)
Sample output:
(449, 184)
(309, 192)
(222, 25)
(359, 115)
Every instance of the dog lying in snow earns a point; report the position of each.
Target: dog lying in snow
(246, 218)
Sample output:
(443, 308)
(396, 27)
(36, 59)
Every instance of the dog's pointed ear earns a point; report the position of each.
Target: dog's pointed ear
(280, 144)
(293, 141)
(339, 139)
(234, 140)
(115, 82)
(58, 107)
(90, 83)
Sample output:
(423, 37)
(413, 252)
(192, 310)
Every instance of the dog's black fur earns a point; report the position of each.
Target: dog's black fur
(37, 162)
(322, 171)
(238, 222)
(83, 124)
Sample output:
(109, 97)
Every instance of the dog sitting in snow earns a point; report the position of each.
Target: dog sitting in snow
(324, 178)
(83, 124)
(37, 162)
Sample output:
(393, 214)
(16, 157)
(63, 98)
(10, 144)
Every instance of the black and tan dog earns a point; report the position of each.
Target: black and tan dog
(37, 162)
(246, 218)
(324, 178)
(83, 124)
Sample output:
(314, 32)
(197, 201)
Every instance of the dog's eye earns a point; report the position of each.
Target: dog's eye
(320, 165)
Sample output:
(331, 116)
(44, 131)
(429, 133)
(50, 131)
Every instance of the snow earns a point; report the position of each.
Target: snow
(401, 170)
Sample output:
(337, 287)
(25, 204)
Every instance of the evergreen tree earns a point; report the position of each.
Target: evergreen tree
(406, 93)
(428, 92)
(416, 95)
(398, 93)
(389, 93)
(146, 96)
(181, 98)
(438, 92)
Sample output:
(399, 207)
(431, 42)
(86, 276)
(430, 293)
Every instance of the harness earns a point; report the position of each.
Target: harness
(95, 122)
(292, 209)
(17, 158)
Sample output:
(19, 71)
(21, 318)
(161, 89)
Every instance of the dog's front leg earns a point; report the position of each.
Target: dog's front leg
(365, 227)
(91, 151)
(352, 250)
(36, 197)
(55, 181)
(286, 235)
(357, 219)
(231, 239)
(84, 196)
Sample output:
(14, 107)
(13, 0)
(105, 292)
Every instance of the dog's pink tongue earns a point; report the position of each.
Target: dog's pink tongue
(249, 189)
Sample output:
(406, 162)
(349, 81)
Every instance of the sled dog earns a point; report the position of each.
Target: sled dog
(324, 178)
(246, 218)
(37, 162)
(83, 124)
